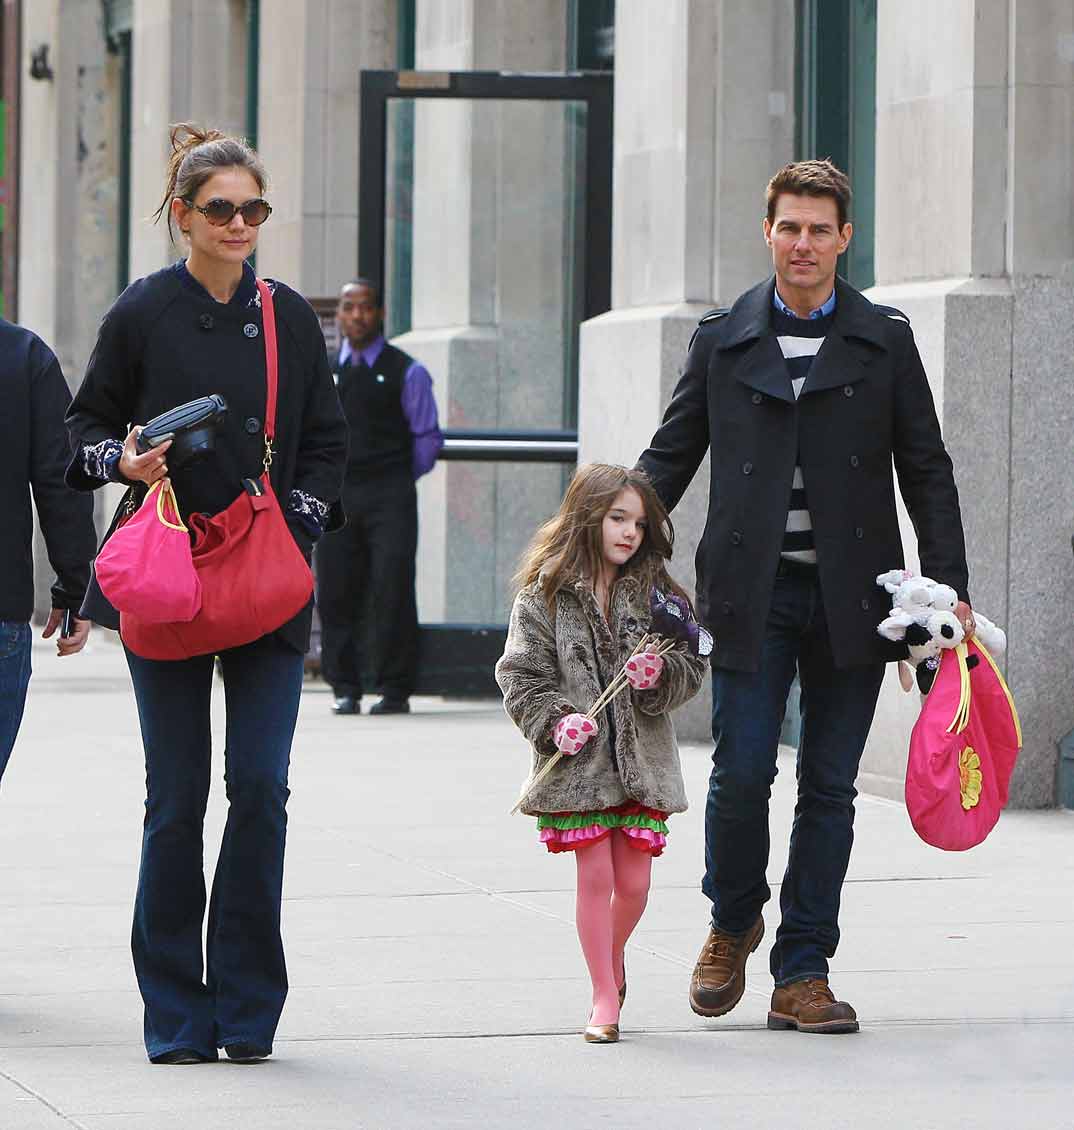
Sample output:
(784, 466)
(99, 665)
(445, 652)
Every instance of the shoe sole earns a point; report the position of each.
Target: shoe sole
(783, 1022)
(723, 1010)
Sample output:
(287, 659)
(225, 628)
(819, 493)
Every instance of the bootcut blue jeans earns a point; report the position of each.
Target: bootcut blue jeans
(237, 994)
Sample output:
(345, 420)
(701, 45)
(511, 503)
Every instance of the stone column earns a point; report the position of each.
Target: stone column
(975, 242)
(490, 235)
(68, 214)
(188, 64)
(312, 53)
(703, 117)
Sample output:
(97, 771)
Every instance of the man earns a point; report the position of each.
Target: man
(368, 566)
(34, 450)
(804, 392)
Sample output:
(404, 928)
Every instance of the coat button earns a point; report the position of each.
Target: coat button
(757, 398)
(747, 468)
(848, 390)
(250, 329)
(854, 461)
(728, 609)
(865, 605)
(736, 538)
(252, 425)
(859, 533)
(206, 321)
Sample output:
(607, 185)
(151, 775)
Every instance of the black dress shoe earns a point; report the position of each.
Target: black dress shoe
(346, 704)
(247, 1053)
(181, 1056)
(390, 706)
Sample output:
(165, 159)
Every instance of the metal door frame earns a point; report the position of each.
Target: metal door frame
(458, 658)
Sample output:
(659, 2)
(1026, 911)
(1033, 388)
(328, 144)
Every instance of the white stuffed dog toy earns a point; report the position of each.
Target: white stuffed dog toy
(922, 616)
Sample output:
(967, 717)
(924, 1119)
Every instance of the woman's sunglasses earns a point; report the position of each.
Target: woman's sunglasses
(219, 212)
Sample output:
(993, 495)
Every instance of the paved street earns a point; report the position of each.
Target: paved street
(435, 976)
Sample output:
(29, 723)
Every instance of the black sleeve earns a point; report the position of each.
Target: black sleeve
(675, 452)
(322, 446)
(926, 476)
(66, 517)
(105, 402)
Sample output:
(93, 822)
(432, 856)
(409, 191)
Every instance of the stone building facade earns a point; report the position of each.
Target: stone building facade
(960, 120)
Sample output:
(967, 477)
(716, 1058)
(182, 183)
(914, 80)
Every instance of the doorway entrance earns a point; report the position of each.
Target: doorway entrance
(485, 213)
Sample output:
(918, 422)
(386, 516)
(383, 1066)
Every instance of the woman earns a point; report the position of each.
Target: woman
(188, 331)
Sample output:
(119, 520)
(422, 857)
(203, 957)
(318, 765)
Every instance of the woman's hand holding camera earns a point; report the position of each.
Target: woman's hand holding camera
(147, 468)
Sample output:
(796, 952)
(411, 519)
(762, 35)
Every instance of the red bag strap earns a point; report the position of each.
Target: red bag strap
(268, 321)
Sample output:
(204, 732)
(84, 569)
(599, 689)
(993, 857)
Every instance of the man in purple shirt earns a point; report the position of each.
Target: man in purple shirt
(365, 572)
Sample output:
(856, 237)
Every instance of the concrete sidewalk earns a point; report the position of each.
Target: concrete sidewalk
(435, 976)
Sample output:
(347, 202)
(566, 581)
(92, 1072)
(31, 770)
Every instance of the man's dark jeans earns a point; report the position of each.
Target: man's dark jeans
(14, 679)
(242, 996)
(747, 712)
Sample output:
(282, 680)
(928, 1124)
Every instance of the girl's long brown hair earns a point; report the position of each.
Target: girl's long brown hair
(568, 547)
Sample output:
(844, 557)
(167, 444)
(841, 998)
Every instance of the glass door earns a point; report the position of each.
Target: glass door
(484, 210)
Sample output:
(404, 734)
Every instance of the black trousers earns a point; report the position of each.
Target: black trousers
(365, 589)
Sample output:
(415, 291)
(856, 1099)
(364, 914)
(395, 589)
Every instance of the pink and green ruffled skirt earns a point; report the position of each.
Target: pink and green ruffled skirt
(643, 828)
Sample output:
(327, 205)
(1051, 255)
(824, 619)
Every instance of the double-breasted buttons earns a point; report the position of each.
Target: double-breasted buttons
(252, 425)
(728, 608)
(756, 398)
(859, 533)
(747, 468)
(848, 390)
(855, 461)
(736, 538)
(206, 321)
(865, 604)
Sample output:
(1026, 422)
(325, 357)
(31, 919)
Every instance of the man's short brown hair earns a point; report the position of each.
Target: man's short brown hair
(811, 178)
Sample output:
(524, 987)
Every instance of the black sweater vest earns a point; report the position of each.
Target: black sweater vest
(380, 437)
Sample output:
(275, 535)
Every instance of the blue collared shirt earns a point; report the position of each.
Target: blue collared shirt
(820, 312)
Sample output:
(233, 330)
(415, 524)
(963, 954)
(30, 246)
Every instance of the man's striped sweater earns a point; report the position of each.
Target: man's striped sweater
(800, 340)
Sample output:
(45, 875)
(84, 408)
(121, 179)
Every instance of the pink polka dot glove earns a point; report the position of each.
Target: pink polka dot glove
(643, 671)
(572, 731)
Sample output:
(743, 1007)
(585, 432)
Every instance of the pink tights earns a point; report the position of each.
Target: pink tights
(613, 887)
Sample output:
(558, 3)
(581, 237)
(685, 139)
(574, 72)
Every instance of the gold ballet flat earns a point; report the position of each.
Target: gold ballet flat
(601, 1033)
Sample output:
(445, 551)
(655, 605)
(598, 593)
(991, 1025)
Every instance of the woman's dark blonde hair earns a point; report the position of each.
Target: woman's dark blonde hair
(568, 547)
(198, 153)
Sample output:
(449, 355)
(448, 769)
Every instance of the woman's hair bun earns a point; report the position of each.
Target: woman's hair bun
(186, 136)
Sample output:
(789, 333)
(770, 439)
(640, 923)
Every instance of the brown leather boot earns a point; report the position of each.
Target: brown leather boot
(720, 973)
(810, 1006)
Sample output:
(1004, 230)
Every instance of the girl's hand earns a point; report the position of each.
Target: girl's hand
(643, 671)
(572, 731)
(145, 468)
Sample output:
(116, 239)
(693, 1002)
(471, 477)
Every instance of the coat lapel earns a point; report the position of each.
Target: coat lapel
(850, 345)
(761, 366)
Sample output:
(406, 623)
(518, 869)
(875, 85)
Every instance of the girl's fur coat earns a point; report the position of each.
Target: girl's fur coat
(558, 663)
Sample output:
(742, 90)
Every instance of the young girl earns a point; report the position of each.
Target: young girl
(582, 608)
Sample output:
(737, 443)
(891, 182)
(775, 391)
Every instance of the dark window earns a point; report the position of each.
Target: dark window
(591, 35)
(837, 109)
(118, 21)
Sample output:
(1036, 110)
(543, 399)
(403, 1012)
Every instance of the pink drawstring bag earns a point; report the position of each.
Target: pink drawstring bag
(962, 751)
(145, 568)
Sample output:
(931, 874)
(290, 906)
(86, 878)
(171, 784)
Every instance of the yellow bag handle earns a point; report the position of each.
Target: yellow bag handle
(1006, 690)
(164, 494)
(962, 714)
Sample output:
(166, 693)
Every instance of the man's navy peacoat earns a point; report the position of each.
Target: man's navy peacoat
(865, 405)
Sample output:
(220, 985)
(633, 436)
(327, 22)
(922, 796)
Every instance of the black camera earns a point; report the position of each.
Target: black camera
(191, 427)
